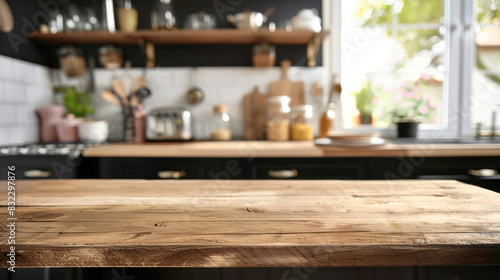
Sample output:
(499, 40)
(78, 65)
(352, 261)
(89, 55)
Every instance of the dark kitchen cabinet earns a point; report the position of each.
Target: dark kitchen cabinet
(233, 169)
(401, 168)
(151, 168)
(41, 167)
(311, 168)
(458, 168)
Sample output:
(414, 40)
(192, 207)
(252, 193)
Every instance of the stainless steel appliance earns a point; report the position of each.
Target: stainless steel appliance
(169, 123)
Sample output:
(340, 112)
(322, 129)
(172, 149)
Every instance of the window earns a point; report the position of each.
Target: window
(408, 58)
(486, 70)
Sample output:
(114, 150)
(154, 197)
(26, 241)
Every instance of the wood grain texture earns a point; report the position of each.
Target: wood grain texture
(163, 37)
(234, 149)
(139, 223)
(241, 149)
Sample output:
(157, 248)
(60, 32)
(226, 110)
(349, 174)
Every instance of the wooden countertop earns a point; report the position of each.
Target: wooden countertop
(138, 223)
(242, 149)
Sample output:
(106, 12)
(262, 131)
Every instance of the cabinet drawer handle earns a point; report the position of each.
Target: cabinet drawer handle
(483, 172)
(283, 174)
(171, 174)
(37, 174)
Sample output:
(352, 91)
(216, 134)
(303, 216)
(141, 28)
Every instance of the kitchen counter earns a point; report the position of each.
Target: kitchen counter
(243, 149)
(138, 223)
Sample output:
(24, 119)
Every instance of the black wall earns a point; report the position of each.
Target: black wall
(29, 13)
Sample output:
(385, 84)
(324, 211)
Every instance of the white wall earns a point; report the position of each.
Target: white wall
(222, 85)
(23, 87)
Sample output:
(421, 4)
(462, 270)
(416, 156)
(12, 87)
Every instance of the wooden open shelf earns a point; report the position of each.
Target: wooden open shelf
(187, 37)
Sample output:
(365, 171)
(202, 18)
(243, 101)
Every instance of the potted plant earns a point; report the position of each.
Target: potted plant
(77, 103)
(407, 127)
(364, 104)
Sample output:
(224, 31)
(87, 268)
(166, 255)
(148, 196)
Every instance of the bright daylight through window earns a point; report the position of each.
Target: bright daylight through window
(392, 62)
(486, 75)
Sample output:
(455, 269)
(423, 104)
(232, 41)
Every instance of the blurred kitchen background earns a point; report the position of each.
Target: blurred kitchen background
(412, 60)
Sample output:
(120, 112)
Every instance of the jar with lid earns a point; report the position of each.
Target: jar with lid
(302, 128)
(221, 125)
(127, 17)
(264, 55)
(163, 16)
(110, 57)
(278, 124)
(72, 62)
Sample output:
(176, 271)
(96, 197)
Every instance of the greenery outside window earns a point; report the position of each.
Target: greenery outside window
(423, 59)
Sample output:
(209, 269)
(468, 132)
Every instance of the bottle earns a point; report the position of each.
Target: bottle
(163, 16)
(221, 126)
(140, 124)
(302, 129)
(327, 121)
(127, 17)
(278, 125)
(327, 118)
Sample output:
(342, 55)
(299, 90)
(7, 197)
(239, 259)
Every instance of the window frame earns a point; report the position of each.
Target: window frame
(458, 13)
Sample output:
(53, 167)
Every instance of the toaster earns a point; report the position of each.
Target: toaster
(169, 123)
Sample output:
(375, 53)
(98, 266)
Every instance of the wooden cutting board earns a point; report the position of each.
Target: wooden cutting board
(255, 115)
(293, 89)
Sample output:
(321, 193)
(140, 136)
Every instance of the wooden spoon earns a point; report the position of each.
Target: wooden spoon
(139, 83)
(110, 97)
(119, 87)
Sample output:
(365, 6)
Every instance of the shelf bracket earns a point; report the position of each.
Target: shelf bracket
(150, 55)
(148, 50)
(312, 50)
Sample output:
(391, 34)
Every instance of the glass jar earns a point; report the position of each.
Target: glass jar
(264, 55)
(278, 125)
(327, 121)
(302, 128)
(110, 57)
(72, 62)
(221, 126)
(163, 16)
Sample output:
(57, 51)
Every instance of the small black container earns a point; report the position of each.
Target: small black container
(407, 129)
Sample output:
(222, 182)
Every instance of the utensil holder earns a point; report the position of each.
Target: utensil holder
(128, 123)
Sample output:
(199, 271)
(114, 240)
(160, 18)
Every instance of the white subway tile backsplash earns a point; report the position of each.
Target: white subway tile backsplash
(166, 96)
(4, 136)
(42, 75)
(211, 95)
(269, 75)
(22, 135)
(6, 68)
(1, 91)
(38, 95)
(23, 87)
(183, 77)
(234, 94)
(26, 115)
(160, 77)
(24, 72)
(214, 76)
(8, 115)
(14, 92)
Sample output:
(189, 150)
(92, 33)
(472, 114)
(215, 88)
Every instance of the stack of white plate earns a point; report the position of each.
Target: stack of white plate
(351, 140)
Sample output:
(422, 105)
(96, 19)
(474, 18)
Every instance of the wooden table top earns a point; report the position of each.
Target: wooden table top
(289, 149)
(139, 223)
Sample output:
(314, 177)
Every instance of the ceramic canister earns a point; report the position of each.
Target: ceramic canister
(48, 117)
